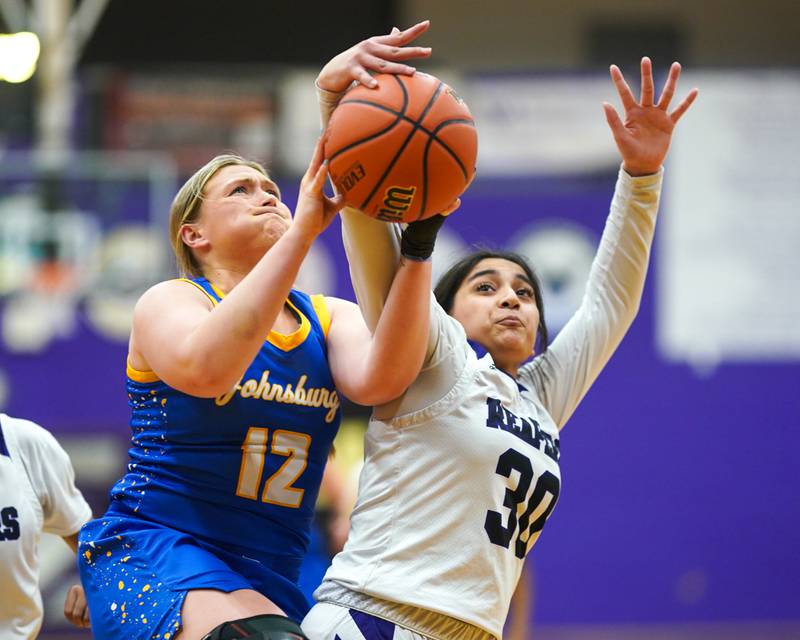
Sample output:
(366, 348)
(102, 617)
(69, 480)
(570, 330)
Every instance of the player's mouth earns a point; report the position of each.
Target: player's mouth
(267, 211)
(511, 321)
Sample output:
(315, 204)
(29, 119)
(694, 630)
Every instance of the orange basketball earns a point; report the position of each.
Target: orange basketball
(403, 151)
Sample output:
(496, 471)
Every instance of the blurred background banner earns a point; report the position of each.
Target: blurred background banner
(680, 510)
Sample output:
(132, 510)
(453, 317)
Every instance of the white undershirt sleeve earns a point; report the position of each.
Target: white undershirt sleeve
(564, 373)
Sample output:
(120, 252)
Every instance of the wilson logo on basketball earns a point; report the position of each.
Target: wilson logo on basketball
(396, 202)
(351, 177)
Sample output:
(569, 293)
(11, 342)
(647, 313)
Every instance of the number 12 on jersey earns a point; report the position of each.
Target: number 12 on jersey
(547, 485)
(278, 487)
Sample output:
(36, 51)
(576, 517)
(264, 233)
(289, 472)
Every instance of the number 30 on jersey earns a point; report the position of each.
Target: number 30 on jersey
(541, 502)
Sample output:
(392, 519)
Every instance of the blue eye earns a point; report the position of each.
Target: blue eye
(240, 189)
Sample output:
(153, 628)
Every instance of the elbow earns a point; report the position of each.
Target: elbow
(382, 386)
(201, 381)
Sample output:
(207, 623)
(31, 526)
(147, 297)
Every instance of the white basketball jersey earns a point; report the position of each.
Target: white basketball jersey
(37, 493)
(461, 473)
(452, 497)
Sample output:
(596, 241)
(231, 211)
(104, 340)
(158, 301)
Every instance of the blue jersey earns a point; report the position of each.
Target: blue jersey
(242, 470)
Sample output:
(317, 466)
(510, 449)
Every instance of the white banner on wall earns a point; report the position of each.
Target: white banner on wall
(527, 125)
(542, 125)
(729, 238)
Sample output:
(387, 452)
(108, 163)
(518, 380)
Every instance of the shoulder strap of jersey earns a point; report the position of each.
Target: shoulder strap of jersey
(214, 294)
(315, 309)
(323, 314)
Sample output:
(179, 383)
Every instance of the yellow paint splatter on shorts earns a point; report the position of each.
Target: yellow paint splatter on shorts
(121, 585)
(146, 587)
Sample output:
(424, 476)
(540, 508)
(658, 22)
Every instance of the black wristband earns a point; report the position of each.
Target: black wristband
(419, 238)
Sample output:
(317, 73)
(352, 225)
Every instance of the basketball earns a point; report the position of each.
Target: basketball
(403, 151)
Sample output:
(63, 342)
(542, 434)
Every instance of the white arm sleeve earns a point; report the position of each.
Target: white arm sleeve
(53, 479)
(564, 373)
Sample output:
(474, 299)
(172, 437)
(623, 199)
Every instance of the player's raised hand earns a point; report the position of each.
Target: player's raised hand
(381, 54)
(315, 210)
(643, 137)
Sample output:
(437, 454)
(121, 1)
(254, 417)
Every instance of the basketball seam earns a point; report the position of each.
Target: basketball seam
(379, 133)
(397, 155)
(401, 116)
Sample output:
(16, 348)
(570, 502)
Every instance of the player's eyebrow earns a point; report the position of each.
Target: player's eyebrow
(495, 273)
(265, 182)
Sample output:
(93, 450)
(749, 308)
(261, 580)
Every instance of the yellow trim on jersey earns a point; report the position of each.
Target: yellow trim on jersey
(214, 288)
(323, 315)
(150, 376)
(205, 293)
(140, 376)
(284, 342)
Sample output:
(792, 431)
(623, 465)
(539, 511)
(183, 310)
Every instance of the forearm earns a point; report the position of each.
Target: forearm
(616, 280)
(327, 101)
(400, 339)
(373, 254)
(72, 542)
(613, 293)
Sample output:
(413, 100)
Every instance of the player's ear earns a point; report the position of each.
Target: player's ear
(193, 237)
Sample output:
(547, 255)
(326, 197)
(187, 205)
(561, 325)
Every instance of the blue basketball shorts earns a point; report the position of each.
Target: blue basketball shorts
(136, 575)
(328, 621)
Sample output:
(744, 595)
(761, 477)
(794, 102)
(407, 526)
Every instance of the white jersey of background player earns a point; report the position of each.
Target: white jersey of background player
(461, 472)
(37, 494)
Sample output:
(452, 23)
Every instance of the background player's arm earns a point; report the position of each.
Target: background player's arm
(202, 349)
(76, 609)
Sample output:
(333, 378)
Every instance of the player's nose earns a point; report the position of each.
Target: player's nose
(509, 298)
(268, 199)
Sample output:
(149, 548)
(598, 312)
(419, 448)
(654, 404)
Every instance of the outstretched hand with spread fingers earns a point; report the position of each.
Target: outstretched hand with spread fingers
(643, 137)
(380, 54)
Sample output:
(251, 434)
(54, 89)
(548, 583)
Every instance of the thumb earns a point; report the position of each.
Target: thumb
(334, 204)
(614, 122)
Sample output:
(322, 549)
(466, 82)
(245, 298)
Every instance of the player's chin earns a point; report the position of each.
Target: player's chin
(274, 228)
(516, 345)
